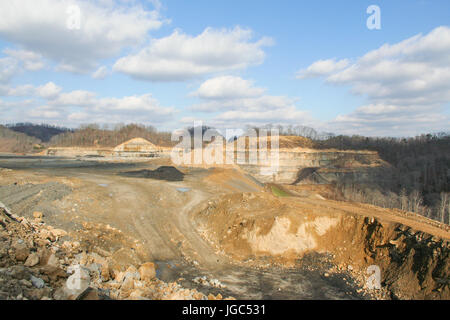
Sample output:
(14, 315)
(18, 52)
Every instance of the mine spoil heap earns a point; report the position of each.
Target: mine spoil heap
(37, 263)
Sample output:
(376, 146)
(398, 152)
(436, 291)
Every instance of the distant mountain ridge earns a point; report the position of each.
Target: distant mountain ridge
(43, 132)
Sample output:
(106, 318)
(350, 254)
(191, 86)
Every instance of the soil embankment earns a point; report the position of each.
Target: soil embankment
(261, 229)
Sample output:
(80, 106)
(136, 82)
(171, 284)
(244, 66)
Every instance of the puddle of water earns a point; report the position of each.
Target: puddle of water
(183, 189)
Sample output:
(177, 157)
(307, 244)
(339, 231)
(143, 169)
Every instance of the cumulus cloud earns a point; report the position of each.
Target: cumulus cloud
(100, 73)
(227, 87)
(9, 67)
(16, 61)
(81, 106)
(31, 61)
(44, 112)
(236, 102)
(105, 29)
(75, 98)
(407, 86)
(181, 56)
(388, 120)
(47, 91)
(138, 108)
(322, 68)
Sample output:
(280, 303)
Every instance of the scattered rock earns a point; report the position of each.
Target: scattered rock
(37, 282)
(147, 271)
(38, 216)
(32, 260)
(90, 294)
(128, 283)
(19, 272)
(21, 250)
(65, 272)
(58, 233)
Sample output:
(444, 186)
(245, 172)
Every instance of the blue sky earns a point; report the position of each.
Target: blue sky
(228, 63)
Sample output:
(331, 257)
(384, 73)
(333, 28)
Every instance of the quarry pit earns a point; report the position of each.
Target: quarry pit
(227, 225)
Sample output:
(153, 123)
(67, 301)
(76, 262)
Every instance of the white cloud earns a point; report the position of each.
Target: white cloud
(49, 103)
(17, 61)
(74, 98)
(19, 91)
(285, 115)
(49, 90)
(44, 112)
(46, 91)
(41, 26)
(227, 87)
(139, 108)
(180, 56)
(407, 86)
(101, 73)
(9, 67)
(322, 67)
(246, 104)
(31, 61)
(139, 103)
(388, 120)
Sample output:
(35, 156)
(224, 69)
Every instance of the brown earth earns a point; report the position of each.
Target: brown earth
(411, 251)
(36, 261)
(224, 225)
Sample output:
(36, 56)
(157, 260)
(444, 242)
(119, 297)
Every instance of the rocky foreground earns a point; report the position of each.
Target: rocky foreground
(37, 263)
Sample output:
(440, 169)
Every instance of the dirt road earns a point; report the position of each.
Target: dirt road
(156, 213)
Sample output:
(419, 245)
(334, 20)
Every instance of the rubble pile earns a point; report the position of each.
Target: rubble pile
(39, 262)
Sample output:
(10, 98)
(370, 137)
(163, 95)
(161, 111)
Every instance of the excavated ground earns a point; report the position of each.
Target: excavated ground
(219, 230)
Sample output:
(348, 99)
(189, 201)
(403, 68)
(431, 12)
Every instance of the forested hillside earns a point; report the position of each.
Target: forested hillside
(16, 142)
(43, 132)
(93, 135)
(419, 181)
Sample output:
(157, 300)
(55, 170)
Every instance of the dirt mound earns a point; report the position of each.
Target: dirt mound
(233, 180)
(136, 145)
(284, 142)
(167, 173)
(257, 227)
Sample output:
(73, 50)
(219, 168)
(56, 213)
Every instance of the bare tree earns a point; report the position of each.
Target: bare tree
(415, 201)
(444, 206)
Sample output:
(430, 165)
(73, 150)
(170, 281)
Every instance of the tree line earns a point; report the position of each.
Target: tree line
(419, 181)
(93, 135)
(17, 142)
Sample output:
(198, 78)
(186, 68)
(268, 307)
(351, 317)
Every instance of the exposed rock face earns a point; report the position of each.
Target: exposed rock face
(299, 165)
(414, 264)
